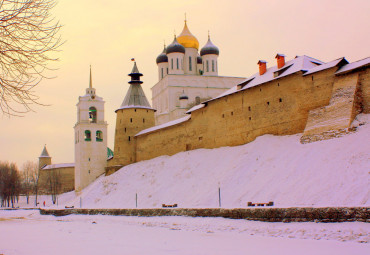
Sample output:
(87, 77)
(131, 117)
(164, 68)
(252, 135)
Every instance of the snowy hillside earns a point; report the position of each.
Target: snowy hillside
(272, 168)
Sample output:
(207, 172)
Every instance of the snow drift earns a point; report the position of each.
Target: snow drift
(272, 168)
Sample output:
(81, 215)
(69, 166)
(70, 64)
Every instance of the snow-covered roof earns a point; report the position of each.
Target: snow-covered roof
(299, 63)
(354, 65)
(168, 124)
(53, 166)
(44, 153)
(327, 66)
(194, 108)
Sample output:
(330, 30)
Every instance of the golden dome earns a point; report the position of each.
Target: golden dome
(187, 39)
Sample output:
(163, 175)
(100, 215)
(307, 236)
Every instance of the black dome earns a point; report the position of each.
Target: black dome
(183, 96)
(209, 48)
(175, 47)
(162, 58)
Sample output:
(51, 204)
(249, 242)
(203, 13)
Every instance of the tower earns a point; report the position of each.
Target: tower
(209, 54)
(44, 158)
(191, 44)
(90, 138)
(175, 53)
(162, 63)
(134, 115)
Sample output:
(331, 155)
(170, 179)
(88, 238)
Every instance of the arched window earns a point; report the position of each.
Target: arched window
(190, 67)
(172, 63)
(177, 63)
(92, 114)
(207, 66)
(213, 65)
(99, 136)
(162, 72)
(87, 135)
(197, 100)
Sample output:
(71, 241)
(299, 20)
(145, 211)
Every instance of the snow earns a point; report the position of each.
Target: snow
(167, 124)
(28, 232)
(271, 168)
(53, 166)
(324, 66)
(300, 63)
(354, 65)
(194, 108)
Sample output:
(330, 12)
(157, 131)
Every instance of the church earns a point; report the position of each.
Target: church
(194, 107)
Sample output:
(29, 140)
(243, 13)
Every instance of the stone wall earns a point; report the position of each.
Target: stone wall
(64, 175)
(279, 107)
(327, 214)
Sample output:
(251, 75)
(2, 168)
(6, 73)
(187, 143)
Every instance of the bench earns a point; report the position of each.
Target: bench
(169, 206)
(261, 204)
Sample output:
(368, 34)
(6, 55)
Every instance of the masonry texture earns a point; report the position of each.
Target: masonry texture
(327, 214)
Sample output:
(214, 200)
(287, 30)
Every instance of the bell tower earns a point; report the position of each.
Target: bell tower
(90, 138)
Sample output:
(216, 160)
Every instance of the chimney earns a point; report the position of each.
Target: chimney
(280, 60)
(262, 66)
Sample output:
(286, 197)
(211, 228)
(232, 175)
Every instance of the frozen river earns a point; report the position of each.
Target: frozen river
(28, 232)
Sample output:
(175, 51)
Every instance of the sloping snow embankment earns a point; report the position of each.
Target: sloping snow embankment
(272, 168)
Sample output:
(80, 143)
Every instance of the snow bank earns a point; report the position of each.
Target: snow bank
(272, 168)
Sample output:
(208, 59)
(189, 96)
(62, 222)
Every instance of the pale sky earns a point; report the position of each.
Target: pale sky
(107, 34)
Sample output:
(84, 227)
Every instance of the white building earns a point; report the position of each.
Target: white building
(186, 77)
(90, 138)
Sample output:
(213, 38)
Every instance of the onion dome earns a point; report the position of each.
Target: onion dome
(183, 96)
(209, 48)
(199, 60)
(162, 58)
(187, 39)
(175, 47)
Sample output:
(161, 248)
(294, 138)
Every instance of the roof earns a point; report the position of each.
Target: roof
(299, 63)
(354, 65)
(194, 108)
(44, 153)
(168, 124)
(64, 165)
(339, 61)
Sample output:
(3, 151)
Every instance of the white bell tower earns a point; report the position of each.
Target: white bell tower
(90, 138)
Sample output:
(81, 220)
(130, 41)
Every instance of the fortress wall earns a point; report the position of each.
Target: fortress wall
(278, 107)
(364, 81)
(65, 176)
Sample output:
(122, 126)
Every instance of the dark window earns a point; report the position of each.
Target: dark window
(213, 65)
(87, 135)
(129, 138)
(280, 100)
(312, 77)
(130, 119)
(232, 113)
(268, 103)
(99, 136)
(223, 115)
(92, 114)
(135, 110)
(197, 100)
(162, 72)
(172, 63)
(250, 118)
(249, 108)
(207, 66)
(200, 138)
(143, 120)
(125, 130)
(278, 84)
(177, 63)
(190, 67)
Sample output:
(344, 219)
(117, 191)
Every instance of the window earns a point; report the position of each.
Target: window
(125, 130)
(280, 100)
(92, 114)
(172, 63)
(162, 72)
(99, 136)
(207, 66)
(250, 118)
(143, 120)
(197, 100)
(249, 108)
(129, 138)
(177, 63)
(167, 70)
(130, 119)
(87, 135)
(190, 67)
(232, 113)
(268, 103)
(213, 65)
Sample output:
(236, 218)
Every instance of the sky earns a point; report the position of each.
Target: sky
(107, 34)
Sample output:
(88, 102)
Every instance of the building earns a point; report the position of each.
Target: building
(59, 176)
(90, 138)
(187, 77)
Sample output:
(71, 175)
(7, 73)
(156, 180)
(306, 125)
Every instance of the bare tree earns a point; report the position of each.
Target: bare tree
(10, 185)
(54, 184)
(28, 36)
(29, 177)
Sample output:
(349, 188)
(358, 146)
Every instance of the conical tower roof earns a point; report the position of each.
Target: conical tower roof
(135, 97)
(45, 153)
